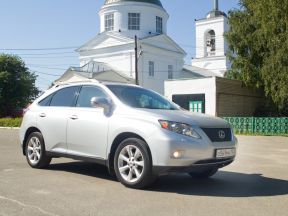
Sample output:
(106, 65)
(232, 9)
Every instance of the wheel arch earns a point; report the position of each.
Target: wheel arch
(28, 132)
(116, 142)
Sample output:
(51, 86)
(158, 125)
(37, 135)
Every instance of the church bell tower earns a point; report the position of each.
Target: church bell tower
(211, 46)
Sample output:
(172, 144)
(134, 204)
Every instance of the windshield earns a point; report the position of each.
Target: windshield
(141, 98)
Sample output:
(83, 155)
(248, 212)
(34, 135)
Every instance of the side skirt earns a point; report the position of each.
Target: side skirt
(100, 161)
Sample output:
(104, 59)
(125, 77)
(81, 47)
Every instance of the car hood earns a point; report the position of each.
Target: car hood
(194, 119)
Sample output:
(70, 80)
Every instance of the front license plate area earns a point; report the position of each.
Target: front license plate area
(225, 153)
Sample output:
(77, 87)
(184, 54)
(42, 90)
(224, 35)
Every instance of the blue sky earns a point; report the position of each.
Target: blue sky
(34, 24)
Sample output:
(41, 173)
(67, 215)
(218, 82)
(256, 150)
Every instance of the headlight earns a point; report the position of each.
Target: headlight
(180, 128)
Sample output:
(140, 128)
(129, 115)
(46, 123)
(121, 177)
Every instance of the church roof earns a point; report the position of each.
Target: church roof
(116, 39)
(156, 2)
(87, 73)
(215, 13)
(199, 72)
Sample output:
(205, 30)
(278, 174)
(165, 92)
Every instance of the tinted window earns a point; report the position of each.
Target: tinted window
(45, 101)
(88, 92)
(141, 98)
(65, 97)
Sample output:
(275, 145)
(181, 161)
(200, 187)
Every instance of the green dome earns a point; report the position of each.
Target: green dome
(156, 2)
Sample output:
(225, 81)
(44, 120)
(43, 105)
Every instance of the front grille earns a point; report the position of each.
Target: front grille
(218, 134)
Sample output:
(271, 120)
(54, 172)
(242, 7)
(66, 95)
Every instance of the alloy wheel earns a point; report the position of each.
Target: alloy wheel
(34, 150)
(131, 163)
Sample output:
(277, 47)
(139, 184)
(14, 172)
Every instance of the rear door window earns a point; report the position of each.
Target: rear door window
(65, 97)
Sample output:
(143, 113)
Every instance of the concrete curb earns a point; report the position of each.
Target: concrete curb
(10, 128)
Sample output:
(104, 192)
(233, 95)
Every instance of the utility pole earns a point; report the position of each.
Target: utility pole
(136, 61)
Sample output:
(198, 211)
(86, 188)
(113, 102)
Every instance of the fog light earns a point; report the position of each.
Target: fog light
(177, 154)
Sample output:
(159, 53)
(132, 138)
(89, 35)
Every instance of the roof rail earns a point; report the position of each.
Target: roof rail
(72, 82)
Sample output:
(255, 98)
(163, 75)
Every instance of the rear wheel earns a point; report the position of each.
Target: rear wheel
(204, 174)
(35, 151)
(133, 165)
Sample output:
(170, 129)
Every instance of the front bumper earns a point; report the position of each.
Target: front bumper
(195, 153)
(199, 166)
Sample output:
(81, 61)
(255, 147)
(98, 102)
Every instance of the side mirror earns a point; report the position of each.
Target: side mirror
(104, 103)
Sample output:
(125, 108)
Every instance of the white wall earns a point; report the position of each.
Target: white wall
(122, 59)
(205, 86)
(148, 13)
(217, 64)
(161, 61)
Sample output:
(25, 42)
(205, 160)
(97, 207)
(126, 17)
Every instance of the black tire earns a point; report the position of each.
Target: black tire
(204, 174)
(147, 177)
(43, 160)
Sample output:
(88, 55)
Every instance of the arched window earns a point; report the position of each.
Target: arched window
(210, 43)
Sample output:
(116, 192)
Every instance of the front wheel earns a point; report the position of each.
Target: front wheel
(204, 174)
(133, 165)
(35, 151)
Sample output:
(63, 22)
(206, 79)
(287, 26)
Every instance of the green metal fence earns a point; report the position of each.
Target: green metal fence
(263, 126)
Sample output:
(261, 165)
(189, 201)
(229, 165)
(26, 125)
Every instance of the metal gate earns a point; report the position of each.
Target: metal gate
(262, 126)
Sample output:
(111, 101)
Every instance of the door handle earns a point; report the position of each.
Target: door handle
(74, 117)
(42, 115)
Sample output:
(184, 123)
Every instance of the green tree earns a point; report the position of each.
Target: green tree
(17, 84)
(258, 40)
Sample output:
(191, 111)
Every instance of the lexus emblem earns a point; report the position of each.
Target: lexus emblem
(221, 134)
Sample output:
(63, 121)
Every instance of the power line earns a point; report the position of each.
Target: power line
(49, 74)
(58, 53)
(37, 49)
(200, 69)
(159, 71)
(217, 37)
(44, 80)
(49, 57)
(52, 65)
(50, 68)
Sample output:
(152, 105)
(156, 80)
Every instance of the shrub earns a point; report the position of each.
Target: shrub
(10, 122)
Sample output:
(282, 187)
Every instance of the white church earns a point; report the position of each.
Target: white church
(111, 54)
(133, 47)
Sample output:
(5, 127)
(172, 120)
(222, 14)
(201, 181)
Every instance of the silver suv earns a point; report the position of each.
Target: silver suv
(135, 132)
